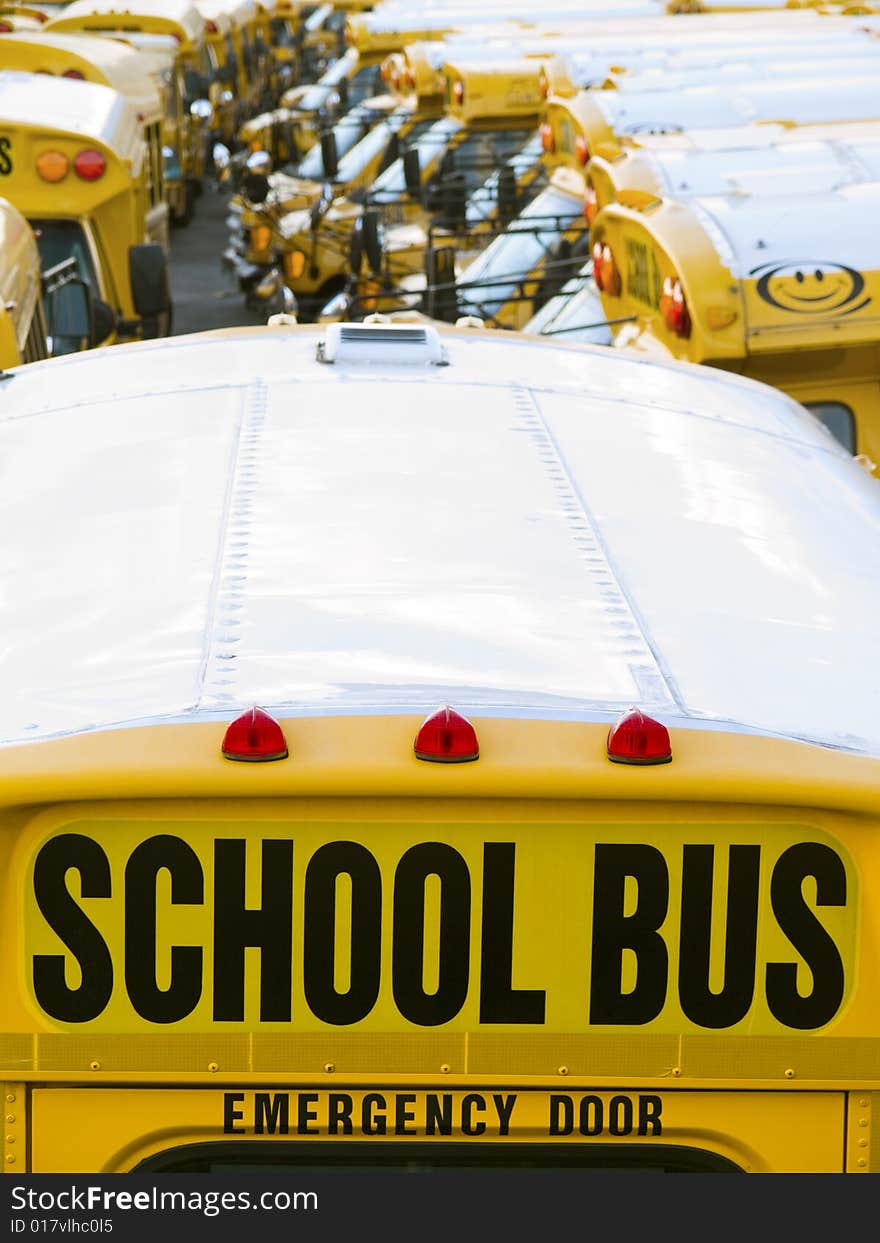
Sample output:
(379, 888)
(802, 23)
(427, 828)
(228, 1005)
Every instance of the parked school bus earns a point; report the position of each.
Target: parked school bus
(761, 159)
(631, 926)
(611, 116)
(85, 58)
(74, 164)
(778, 287)
(22, 326)
(490, 111)
(184, 129)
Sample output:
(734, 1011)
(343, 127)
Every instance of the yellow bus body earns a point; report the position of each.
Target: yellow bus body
(115, 65)
(352, 951)
(180, 20)
(805, 325)
(107, 213)
(22, 327)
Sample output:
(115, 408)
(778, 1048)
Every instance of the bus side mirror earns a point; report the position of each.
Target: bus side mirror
(372, 237)
(148, 272)
(506, 194)
(195, 86)
(412, 173)
(103, 321)
(329, 154)
(255, 187)
(442, 295)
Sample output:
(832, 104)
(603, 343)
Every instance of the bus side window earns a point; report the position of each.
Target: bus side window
(839, 420)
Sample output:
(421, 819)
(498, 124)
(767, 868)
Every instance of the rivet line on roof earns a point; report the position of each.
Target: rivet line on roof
(221, 670)
(622, 628)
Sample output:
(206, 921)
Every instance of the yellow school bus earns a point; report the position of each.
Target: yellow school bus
(74, 165)
(85, 58)
(489, 112)
(615, 116)
(779, 287)
(183, 130)
(435, 900)
(22, 326)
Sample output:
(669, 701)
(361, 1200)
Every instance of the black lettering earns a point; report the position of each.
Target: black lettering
(180, 998)
(402, 1115)
(504, 1108)
(271, 1113)
(373, 1123)
(438, 1117)
(270, 928)
(620, 1115)
(325, 866)
(64, 853)
(807, 935)
(304, 1115)
(416, 865)
(650, 1108)
(592, 1116)
(732, 1003)
(561, 1115)
(231, 1114)
(469, 1104)
(613, 932)
(499, 1001)
(5, 157)
(340, 1107)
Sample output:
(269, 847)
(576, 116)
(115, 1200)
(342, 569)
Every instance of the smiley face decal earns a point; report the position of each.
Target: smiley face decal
(809, 287)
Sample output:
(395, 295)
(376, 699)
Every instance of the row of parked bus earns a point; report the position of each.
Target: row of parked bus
(614, 177)
(108, 119)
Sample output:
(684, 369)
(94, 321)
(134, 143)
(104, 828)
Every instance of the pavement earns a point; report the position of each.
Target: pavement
(206, 294)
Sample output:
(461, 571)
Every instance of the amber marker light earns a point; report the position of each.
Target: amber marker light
(446, 737)
(255, 737)
(638, 739)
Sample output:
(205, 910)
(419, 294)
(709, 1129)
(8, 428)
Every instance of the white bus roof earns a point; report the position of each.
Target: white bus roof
(126, 69)
(183, 12)
(200, 524)
(803, 167)
(81, 109)
(816, 99)
(740, 67)
(826, 231)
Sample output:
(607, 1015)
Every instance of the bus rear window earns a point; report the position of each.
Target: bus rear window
(281, 1158)
(839, 420)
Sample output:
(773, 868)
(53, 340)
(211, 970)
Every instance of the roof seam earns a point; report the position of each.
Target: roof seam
(219, 666)
(599, 563)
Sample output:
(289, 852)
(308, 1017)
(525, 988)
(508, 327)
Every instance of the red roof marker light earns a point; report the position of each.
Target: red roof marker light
(256, 737)
(446, 737)
(638, 739)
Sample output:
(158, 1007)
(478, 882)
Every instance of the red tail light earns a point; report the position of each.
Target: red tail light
(605, 272)
(591, 203)
(447, 738)
(210, 28)
(75, 74)
(581, 151)
(255, 736)
(638, 739)
(548, 139)
(89, 165)
(674, 309)
(5, 28)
